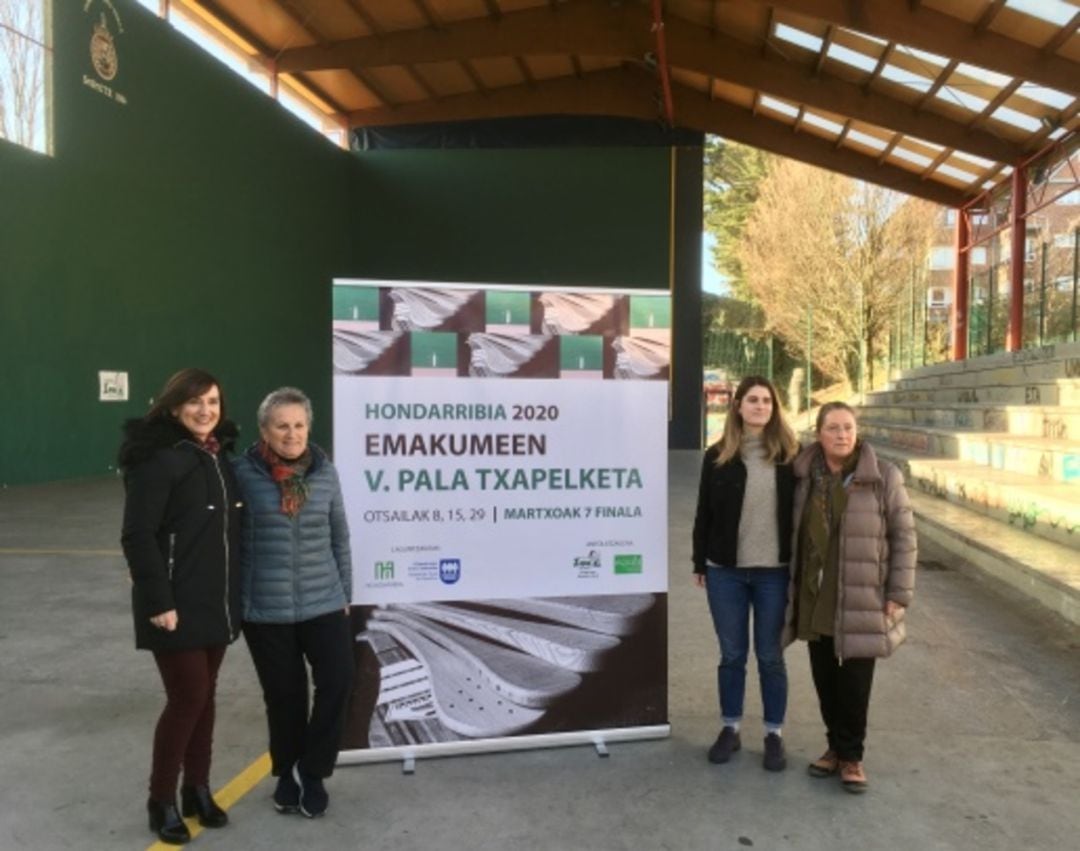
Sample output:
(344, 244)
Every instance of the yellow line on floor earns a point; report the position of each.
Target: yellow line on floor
(227, 795)
(5, 551)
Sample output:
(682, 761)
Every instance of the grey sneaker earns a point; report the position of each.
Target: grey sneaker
(774, 753)
(725, 745)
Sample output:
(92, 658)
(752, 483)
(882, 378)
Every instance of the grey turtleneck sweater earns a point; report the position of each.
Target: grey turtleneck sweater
(758, 542)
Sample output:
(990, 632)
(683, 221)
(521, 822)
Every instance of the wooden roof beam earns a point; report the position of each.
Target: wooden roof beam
(305, 26)
(987, 17)
(590, 27)
(823, 54)
(593, 28)
(630, 93)
(692, 47)
(883, 60)
(265, 52)
(937, 32)
(938, 83)
(1062, 35)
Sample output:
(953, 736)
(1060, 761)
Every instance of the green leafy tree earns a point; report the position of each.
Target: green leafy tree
(733, 175)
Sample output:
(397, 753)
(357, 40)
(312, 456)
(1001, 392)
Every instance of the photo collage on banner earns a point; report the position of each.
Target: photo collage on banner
(503, 455)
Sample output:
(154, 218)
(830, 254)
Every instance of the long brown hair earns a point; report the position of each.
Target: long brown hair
(181, 386)
(777, 436)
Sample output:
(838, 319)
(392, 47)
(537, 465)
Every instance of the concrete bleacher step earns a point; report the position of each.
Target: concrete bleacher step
(1048, 510)
(965, 539)
(1060, 391)
(1061, 423)
(1043, 458)
(1035, 366)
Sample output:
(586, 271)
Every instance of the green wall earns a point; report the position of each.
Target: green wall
(201, 224)
(582, 216)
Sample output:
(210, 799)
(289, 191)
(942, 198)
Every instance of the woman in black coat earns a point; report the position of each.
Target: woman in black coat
(180, 539)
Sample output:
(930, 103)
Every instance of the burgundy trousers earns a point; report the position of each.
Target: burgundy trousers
(185, 731)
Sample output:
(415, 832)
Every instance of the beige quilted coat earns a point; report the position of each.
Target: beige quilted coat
(877, 557)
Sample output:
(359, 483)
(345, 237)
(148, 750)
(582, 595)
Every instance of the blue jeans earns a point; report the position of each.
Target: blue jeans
(733, 592)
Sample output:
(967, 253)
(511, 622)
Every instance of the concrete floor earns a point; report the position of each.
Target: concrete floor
(974, 731)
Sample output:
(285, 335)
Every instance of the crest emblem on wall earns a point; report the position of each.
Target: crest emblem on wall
(103, 51)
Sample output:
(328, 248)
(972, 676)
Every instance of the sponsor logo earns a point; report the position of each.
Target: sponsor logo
(449, 570)
(628, 563)
(384, 570)
(590, 560)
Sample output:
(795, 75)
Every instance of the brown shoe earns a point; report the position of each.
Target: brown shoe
(825, 765)
(853, 777)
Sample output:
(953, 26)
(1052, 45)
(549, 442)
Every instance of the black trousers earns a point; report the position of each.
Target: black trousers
(844, 696)
(281, 653)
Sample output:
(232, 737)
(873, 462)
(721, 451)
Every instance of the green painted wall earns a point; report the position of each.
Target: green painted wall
(200, 224)
(584, 216)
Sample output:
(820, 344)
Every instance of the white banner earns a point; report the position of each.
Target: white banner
(502, 452)
(487, 488)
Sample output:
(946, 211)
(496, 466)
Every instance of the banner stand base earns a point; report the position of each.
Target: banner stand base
(408, 754)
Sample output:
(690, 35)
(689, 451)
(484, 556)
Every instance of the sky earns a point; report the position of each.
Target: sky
(711, 280)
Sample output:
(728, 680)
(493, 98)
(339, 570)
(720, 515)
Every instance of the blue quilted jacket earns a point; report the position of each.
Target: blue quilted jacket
(293, 568)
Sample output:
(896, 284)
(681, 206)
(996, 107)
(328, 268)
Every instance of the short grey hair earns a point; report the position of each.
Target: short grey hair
(283, 396)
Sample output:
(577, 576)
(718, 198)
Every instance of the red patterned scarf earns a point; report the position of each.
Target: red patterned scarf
(289, 476)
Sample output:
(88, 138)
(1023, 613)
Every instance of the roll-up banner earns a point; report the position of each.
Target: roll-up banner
(503, 455)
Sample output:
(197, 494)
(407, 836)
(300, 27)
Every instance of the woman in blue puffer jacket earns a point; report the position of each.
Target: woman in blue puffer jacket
(296, 590)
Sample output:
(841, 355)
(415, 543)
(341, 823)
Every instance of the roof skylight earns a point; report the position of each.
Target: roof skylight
(964, 99)
(958, 173)
(983, 75)
(851, 57)
(1054, 11)
(799, 37)
(906, 78)
(822, 122)
(910, 156)
(1045, 95)
(1017, 119)
(866, 139)
(925, 56)
(779, 106)
(974, 160)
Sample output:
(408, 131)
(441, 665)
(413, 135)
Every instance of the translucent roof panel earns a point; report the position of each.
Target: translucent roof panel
(959, 174)
(823, 123)
(952, 94)
(990, 77)
(974, 160)
(866, 36)
(779, 106)
(912, 157)
(1045, 95)
(1017, 119)
(906, 78)
(851, 57)
(1055, 11)
(925, 56)
(866, 139)
(797, 36)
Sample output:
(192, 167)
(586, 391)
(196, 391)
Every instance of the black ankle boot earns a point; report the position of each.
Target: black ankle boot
(196, 800)
(166, 822)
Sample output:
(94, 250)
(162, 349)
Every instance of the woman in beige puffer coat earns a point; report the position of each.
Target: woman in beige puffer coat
(853, 577)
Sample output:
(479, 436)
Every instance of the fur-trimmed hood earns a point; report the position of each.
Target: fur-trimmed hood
(142, 438)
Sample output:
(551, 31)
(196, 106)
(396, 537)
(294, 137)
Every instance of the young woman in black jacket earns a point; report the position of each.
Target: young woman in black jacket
(742, 547)
(180, 538)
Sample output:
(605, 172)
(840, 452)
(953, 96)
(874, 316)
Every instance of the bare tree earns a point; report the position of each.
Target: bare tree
(22, 72)
(841, 248)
